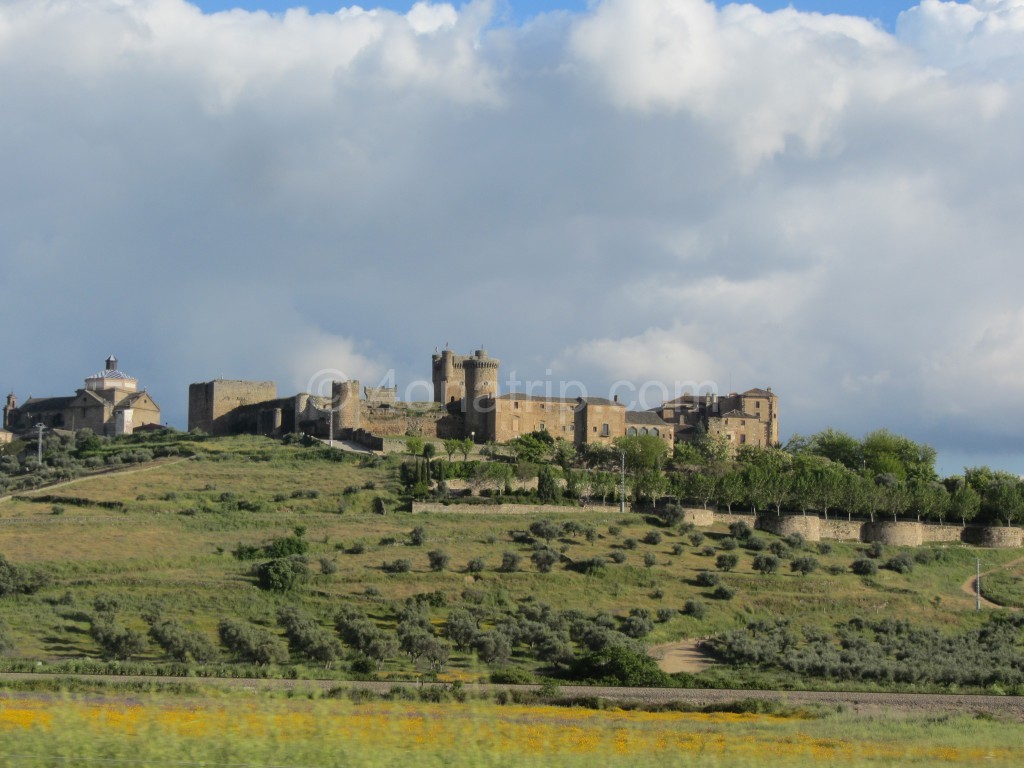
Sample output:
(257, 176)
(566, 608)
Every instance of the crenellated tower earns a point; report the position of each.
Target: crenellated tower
(481, 388)
(345, 405)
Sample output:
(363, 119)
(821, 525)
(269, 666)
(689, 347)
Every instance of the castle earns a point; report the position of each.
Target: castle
(466, 403)
(110, 404)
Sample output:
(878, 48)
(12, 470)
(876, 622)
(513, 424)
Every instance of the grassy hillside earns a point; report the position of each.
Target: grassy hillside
(165, 554)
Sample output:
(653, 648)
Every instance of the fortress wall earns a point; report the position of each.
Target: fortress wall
(210, 401)
(393, 421)
(897, 534)
(807, 526)
(993, 536)
(698, 516)
(841, 530)
(940, 533)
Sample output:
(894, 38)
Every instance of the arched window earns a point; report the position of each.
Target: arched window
(655, 432)
(631, 432)
(643, 431)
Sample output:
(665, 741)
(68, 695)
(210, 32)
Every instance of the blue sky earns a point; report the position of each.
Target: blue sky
(883, 10)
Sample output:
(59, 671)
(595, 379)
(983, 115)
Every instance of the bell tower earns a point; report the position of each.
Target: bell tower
(12, 405)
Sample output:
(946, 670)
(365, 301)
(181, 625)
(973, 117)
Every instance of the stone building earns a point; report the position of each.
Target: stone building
(467, 403)
(110, 404)
(745, 418)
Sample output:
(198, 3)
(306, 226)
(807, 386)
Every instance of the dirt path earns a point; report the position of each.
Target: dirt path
(134, 470)
(1010, 707)
(683, 656)
(970, 586)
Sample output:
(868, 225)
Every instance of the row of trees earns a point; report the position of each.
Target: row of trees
(830, 473)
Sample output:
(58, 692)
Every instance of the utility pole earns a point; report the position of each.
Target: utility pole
(622, 498)
(977, 585)
(39, 442)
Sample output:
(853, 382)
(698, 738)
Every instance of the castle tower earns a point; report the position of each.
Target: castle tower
(481, 388)
(449, 382)
(345, 405)
(12, 404)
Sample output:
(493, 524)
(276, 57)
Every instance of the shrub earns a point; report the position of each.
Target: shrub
(475, 565)
(614, 530)
(618, 557)
(677, 549)
(638, 624)
(708, 579)
(824, 548)
(755, 544)
(328, 566)
(901, 563)
(723, 592)
(650, 559)
(181, 643)
(418, 536)
(875, 550)
(795, 540)
(590, 566)
(397, 566)
(695, 608)
(779, 549)
(864, 566)
(510, 562)
(282, 574)
(728, 544)
(804, 565)
(740, 530)
(696, 538)
(726, 561)
(652, 537)
(545, 529)
(629, 543)
(619, 665)
(251, 643)
(707, 551)
(665, 614)
(766, 564)
(438, 560)
(115, 641)
(544, 559)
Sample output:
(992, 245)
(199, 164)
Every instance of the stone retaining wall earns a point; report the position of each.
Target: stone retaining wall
(992, 536)
(807, 526)
(504, 509)
(897, 534)
(841, 530)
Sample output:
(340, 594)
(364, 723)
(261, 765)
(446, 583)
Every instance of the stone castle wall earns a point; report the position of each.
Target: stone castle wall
(210, 401)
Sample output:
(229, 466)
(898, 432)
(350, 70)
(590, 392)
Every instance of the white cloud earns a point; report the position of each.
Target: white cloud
(650, 190)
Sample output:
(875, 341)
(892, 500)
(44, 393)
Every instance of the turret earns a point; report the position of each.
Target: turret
(481, 389)
(345, 405)
(12, 404)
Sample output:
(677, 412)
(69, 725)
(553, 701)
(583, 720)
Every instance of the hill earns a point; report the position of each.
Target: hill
(239, 556)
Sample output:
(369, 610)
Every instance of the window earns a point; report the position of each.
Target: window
(515, 405)
(643, 431)
(572, 427)
(605, 431)
(655, 432)
(631, 432)
(743, 439)
(542, 426)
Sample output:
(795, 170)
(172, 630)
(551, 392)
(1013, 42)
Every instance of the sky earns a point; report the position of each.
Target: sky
(639, 195)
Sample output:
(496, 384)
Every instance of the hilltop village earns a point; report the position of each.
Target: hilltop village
(466, 404)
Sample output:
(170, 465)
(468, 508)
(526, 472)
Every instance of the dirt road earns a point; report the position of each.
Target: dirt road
(1008, 707)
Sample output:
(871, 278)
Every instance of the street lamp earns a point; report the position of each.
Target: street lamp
(622, 498)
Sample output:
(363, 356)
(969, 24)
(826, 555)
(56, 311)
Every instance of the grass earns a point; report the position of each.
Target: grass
(170, 549)
(232, 728)
(1004, 586)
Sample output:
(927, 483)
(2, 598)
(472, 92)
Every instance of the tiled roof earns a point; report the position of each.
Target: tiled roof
(757, 392)
(645, 417)
(115, 374)
(536, 398)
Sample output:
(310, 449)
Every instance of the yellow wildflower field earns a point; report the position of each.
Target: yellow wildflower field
(224, 730)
